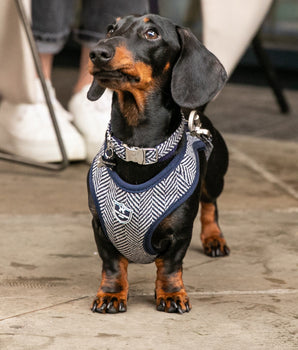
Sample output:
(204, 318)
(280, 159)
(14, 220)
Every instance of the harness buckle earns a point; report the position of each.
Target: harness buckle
(138, 155)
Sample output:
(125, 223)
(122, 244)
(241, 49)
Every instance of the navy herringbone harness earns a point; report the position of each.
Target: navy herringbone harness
(129, 214)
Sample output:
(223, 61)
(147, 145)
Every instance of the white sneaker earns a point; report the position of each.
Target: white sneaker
(91, 118)
(26, 130)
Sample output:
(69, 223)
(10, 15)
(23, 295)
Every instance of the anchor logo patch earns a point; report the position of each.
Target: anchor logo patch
(122, 213)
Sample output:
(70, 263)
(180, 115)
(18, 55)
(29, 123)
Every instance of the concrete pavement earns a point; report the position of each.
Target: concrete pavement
(50, 269)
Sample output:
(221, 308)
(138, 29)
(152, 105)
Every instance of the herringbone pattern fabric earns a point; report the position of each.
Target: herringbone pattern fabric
(129, 214)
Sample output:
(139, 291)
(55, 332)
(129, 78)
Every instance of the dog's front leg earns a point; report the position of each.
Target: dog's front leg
(170, 292)
(169, 288)
(112, 294)
(113, 291)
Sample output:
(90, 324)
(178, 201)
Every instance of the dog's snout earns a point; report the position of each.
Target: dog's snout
(101, 54)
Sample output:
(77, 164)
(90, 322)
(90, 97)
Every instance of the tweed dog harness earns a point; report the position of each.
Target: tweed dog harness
(128, 213)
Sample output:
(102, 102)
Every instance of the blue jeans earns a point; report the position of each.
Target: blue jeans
(52, 20)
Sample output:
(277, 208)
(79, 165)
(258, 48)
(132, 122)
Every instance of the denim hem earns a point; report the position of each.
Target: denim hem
(52, 37)
(49, 46)
(50, 42)
(86, 37)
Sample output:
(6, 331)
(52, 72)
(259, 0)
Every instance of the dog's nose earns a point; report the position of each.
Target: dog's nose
(101, 54)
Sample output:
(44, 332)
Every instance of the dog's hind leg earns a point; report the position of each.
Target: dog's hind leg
(213, 241)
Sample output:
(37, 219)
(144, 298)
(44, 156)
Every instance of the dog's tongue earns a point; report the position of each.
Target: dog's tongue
(95, 91)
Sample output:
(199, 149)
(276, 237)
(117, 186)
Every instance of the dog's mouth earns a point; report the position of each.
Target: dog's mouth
(122, 75)
(135, 78)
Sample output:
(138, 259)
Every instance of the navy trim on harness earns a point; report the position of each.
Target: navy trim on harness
(150, 183)
(197, 145)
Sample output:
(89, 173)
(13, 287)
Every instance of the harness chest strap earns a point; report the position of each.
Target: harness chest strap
(129, 214)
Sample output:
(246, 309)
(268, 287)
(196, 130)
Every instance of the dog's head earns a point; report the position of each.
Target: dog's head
(143, 53)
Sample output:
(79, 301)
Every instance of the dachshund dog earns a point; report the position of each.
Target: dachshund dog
(147, 181)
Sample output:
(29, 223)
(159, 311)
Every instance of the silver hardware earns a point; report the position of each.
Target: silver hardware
(194, 125)
(138, 155)
(109, 151)
(100, 163)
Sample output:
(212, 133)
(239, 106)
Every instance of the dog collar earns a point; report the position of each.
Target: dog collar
(144, 156)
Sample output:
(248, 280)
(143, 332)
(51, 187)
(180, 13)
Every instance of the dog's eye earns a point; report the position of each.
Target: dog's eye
(110, 30)
(151, 34)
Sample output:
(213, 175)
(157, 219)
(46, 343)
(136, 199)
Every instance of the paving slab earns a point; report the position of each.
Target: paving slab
(50, 270)
(51, 274)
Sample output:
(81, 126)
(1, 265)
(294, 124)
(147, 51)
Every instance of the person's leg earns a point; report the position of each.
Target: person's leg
(84, 78)
(26, 129)
(51, 23)
(46, 60)
(95, 17)
(91, 118)
(230, 25)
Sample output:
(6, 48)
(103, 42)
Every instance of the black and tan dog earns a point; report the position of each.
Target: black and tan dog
(156, 69)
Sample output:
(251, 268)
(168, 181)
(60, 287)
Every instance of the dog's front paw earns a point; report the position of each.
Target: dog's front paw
(170, 293)
(173, 302)
(109, 303)
(215, 246)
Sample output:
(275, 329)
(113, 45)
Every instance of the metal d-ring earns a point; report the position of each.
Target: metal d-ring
(194, 125)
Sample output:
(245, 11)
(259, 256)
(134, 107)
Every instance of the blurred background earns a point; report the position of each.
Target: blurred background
(247, 105)
(279, 34)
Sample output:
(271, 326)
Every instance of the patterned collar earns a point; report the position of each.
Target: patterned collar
(144, 156)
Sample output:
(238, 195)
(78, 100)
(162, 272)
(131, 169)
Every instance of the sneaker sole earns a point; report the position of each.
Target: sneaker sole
(45, 153)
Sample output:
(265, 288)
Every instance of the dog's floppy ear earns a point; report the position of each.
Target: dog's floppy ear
(197, 75)
(95, 91)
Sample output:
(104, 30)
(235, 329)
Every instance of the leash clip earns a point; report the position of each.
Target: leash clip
(109, 151)
(107, 159)
(194, 126)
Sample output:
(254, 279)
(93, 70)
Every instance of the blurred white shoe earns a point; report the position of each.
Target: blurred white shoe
(91, 118)
(26, 130)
